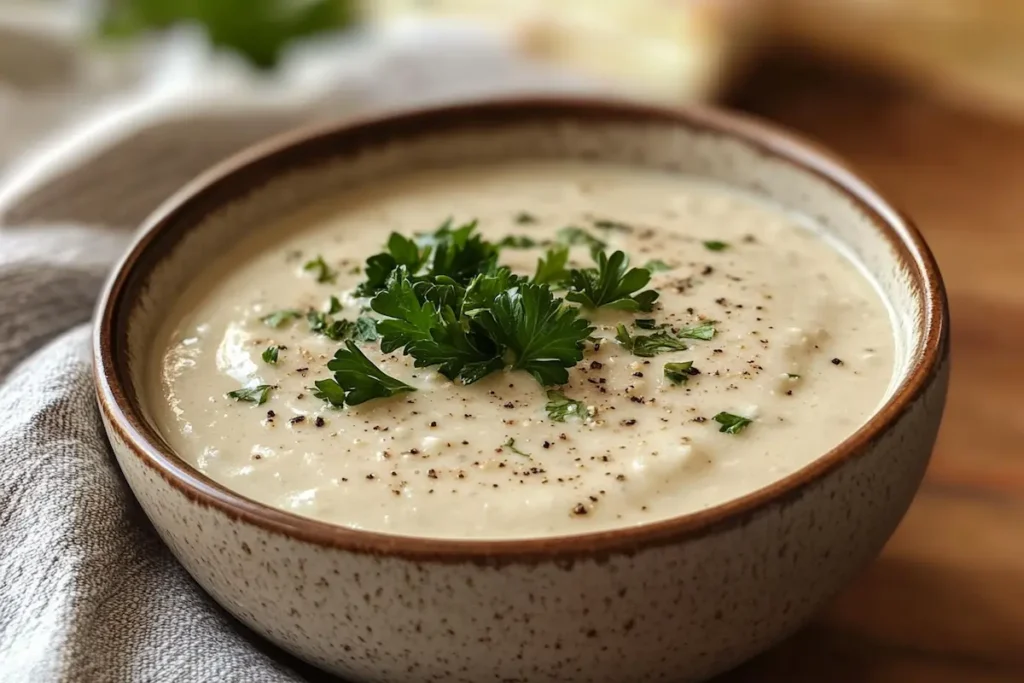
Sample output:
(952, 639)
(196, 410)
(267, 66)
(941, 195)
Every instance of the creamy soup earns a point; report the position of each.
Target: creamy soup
(789, 345)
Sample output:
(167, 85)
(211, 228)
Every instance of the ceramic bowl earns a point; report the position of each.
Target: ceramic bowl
(680, 599)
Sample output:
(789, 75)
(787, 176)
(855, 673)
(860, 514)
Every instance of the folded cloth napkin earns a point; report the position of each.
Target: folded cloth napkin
(87, 590)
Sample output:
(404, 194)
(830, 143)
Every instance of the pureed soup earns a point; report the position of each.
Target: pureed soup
(521, 350)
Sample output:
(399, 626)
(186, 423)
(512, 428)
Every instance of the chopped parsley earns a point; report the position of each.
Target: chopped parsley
(657, 266)
(792, 376)
(270, 355)
(647, 323)
(525, 218)
(551, 268)
(649, 345)
(356, 379)
(324, 273)
(334, 306)
(612, 284)
(322, 323)
(365, 329)
(560, 407)
(704, 331)
(511, 445)
(279, 318)
(257, 394)
(731, 424)
(715, 245)
(573, 235)
(679, 373)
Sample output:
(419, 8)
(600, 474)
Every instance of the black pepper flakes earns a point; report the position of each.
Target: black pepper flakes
(579, 509)
(319, 422)
(837, 361)
(297, 419)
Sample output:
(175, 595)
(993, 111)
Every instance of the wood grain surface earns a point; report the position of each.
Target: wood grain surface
(945, 602)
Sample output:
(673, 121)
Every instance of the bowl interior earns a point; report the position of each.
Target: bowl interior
(282, 177)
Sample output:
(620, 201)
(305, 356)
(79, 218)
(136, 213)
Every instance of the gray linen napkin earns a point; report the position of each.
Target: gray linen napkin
(87, 590)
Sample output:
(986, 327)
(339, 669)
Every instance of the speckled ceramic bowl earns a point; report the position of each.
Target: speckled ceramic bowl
(678, 600)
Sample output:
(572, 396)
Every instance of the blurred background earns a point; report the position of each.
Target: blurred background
(109, 105)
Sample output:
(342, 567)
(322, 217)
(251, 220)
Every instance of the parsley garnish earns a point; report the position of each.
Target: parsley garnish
(322, 323)
(270, 355)
(324, 273)
(401, 251)
(257, 394)
(511, 445)
(573, 235)
(612, 284)
(365, 329)
(715, 245)
(551, 267)
(792, 376)
(279, 318)
(647, 345)
(705, 331)
(357, 379)
(329, 390)
(657, 266)
(731, 424)
(647, 323)
(679, 373)
(334, 306)
(536, 332)
(525, 218)
(560, 406)
(432, 336)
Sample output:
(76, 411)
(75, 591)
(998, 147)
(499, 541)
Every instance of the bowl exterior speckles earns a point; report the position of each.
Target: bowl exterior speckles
(678, 600)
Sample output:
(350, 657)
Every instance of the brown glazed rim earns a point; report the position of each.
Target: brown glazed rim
(234, 178)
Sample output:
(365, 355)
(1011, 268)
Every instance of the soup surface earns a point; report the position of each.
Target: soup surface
(790, 349)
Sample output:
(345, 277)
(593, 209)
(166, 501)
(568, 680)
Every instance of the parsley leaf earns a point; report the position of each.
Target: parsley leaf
(731, 424)
(334, 306)
(279, 318)
(573, 235)
(257, 394)
(705, 331)
(365, 329)
(432, 336)
(322, 323)
(612, 284)
(330, 391)
(560, 406)
(551, 267)
(270, 355)
(537, 331)
(715, 245)
(401, 251)
(359, 378)
(410, 319)
(679, 373)
(525, 218)
(459, 253)
(648, 345)
(657, 266)
(511, 445)
(324, 273)
(482, 291)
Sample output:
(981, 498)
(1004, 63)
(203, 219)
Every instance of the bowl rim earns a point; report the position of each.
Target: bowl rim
(234, 177)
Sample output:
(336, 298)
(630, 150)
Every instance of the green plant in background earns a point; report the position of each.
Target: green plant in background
(256, 29)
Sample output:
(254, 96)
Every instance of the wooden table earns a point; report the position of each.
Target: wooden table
(945, 602)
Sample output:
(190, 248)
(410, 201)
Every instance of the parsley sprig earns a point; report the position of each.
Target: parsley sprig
(356, 379)
(648, 345)
(612, 284)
